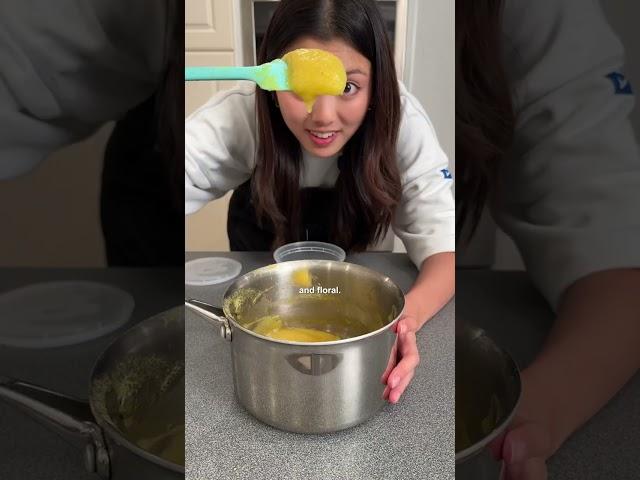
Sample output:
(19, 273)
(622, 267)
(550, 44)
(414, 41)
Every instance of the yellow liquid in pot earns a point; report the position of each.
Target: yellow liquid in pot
(476, 417)
(143, 397)
(302, 278)
(159, 429)
(304, 317)
(313, 73)
(272, 326)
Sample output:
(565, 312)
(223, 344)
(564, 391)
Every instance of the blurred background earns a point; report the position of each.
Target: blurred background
(60, 225)
(492, 248)
(215, 35)
(226, 32)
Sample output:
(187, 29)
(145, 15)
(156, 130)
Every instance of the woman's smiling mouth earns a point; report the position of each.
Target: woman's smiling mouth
(321, 138)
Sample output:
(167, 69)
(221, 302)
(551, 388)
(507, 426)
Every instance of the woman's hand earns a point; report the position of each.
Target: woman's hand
(584, 362)
(431, 291)
(527, 443)
(524, 448)
(403, 360)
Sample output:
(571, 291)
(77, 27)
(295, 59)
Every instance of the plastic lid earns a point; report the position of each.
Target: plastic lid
(309, 251)
(211, 270)
(54, 314)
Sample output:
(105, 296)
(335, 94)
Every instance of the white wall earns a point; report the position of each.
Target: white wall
(212, 36)
(430, 65)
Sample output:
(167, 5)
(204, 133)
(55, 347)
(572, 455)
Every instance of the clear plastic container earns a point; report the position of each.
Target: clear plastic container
(309, 251)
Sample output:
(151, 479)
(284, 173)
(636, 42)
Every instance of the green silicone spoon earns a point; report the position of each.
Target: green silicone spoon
(269, 76)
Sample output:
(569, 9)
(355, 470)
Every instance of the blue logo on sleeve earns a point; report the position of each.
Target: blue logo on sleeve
(620, 84)
(446, 173)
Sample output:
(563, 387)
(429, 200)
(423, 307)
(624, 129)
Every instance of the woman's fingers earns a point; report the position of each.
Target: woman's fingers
(409, 359)
(408, 345)
(405, 324)
(532, 469)
(391, 362)
(523, 449)
(385, 394)
(525, 441)
(396, 393)
(495, 447)
(402, 362)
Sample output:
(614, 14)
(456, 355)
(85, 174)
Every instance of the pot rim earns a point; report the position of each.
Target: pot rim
(109, 427)
(384, 278)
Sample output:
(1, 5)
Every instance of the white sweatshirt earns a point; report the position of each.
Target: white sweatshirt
(572, 184)
(69, 66)
(220, 146)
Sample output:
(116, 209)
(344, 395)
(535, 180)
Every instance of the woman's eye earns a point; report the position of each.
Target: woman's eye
(350, 89)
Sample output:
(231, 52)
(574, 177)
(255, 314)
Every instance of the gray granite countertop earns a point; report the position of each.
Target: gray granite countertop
(413, 439)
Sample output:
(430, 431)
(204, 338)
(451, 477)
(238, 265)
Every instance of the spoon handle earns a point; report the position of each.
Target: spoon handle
(220, 73)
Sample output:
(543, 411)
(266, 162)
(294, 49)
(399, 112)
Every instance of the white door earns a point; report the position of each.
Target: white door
(209, 41)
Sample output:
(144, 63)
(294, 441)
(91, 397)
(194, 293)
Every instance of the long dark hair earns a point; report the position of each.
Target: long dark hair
(169, 106)
(484, 112)
(368, 186)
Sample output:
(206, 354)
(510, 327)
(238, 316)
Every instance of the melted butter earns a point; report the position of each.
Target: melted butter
(302, 335)
(143, 397)
(272, 326)
(313, 73)
(163, 438)
(302, 278)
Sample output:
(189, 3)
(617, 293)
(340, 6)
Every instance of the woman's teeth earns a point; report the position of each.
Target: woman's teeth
(323, 134)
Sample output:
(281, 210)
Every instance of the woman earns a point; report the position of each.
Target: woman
(357, 164)
(544, 140)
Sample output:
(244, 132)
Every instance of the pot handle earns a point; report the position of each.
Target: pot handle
(212, 314)
(67, 416)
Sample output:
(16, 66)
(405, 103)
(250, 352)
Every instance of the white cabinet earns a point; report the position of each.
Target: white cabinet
(209, 41)
(209, 25)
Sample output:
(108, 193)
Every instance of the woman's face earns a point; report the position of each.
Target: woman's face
(338, 117)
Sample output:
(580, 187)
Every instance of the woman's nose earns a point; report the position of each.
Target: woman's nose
(324, 110)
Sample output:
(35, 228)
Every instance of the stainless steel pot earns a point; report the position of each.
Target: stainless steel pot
(488, 391)
(95, 426)
(309, 387)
